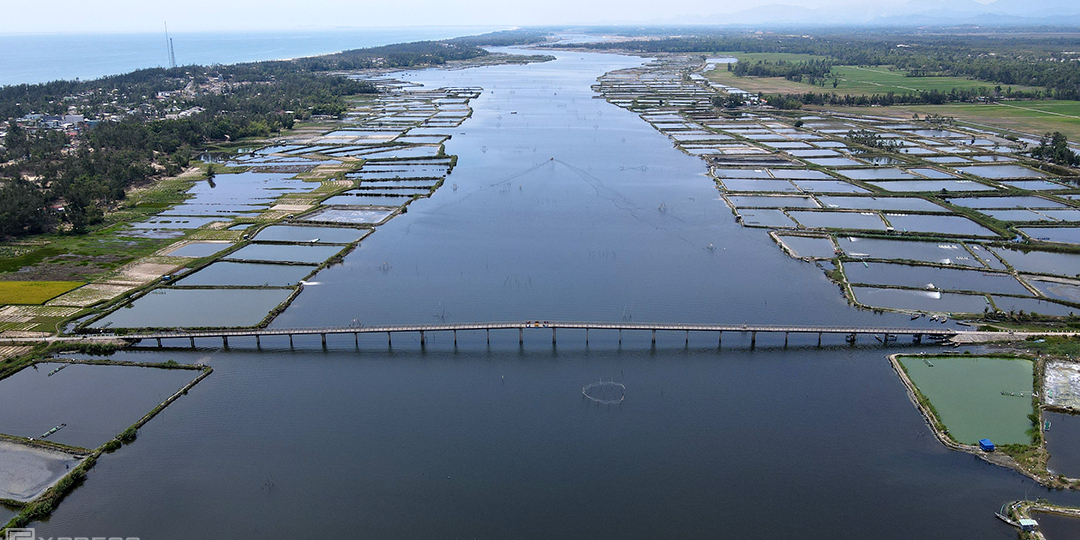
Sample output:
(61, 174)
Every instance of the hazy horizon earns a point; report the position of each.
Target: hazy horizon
(126, 16)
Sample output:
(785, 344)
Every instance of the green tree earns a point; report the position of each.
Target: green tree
(1054, 148)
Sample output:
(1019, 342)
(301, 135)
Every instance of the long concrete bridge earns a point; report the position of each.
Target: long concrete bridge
(851, 333)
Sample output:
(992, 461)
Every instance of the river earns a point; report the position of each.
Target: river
(565, 207)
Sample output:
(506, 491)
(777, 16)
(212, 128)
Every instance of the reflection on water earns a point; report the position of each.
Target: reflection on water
(567, 208)
(492, 443)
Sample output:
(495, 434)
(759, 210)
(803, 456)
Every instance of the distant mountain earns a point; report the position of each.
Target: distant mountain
(913, 12)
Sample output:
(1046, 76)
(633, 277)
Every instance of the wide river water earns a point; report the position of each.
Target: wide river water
(565, 207)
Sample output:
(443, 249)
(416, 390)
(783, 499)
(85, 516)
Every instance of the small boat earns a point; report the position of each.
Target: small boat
(53, 430)
(55, 371)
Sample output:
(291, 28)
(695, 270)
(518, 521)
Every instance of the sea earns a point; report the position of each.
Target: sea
(38, 58)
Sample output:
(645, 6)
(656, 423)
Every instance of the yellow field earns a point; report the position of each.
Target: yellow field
(33, 292)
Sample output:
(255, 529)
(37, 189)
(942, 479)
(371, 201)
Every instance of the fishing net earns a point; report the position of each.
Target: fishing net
(604, 392)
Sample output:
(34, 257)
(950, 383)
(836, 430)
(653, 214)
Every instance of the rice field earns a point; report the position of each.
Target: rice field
(33, 292)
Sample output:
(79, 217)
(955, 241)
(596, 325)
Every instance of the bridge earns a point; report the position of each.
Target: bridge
(851, 333)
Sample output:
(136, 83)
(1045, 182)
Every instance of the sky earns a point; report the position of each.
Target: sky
(139, 16)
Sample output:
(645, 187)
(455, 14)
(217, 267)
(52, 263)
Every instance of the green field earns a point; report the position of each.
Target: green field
(1033, 117)
(853, 80)
(966, 393)
(33, 292)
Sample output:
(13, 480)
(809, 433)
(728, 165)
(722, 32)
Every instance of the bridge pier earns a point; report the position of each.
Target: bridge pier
(785, 339)
(159, 342)
(422, 341)
(687, 344)
(258, 343)
(356, 339)
(389, 341)
(620, 336)
(225, 341)
(753, 339)
(192, 343)
(586, 337)
(654, 336)
(290, 341)
(455, 338)
(323, 340)
(917, 338)
(521, 336)
(719, 339)
(819, 339)
(488, 332)
(553, 335)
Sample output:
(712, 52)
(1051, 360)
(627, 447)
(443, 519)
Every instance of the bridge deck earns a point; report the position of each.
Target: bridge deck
(510, 325)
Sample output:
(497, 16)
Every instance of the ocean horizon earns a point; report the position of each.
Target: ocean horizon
(38, 58)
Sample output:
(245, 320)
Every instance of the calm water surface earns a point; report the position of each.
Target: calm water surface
(34, 58)
(569, 209)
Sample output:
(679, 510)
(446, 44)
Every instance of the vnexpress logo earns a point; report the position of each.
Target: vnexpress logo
(31, 534)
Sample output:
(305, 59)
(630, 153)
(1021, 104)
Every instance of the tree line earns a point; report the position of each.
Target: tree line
(1041, 62)
(89, 174)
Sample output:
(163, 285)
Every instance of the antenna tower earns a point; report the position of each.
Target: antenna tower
(169, 46)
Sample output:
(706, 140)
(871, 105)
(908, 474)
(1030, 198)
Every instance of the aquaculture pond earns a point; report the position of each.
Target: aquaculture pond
(372, 216)
(1055, 288)
(95, 402)
(772, 202)
(302, 233)
(828, 186)
(904, 186)
(28, 471)
(1042, 262)
(954, 225)
(908, 204)
(367, 198)
(300, 253)
(757, 184)
(933, 252)
(239, 274)
(1063, 443)
(1059, 235)
(1029, 201)
(809, 246)
(1057, 527)
(839, 220)
(881, 173)
(245, 188)
(920, 300)
(195, 308)
(1033, 305)
(927, 277)
(765, 218)
(977, 397)
(199, 249)
(1000, 171)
